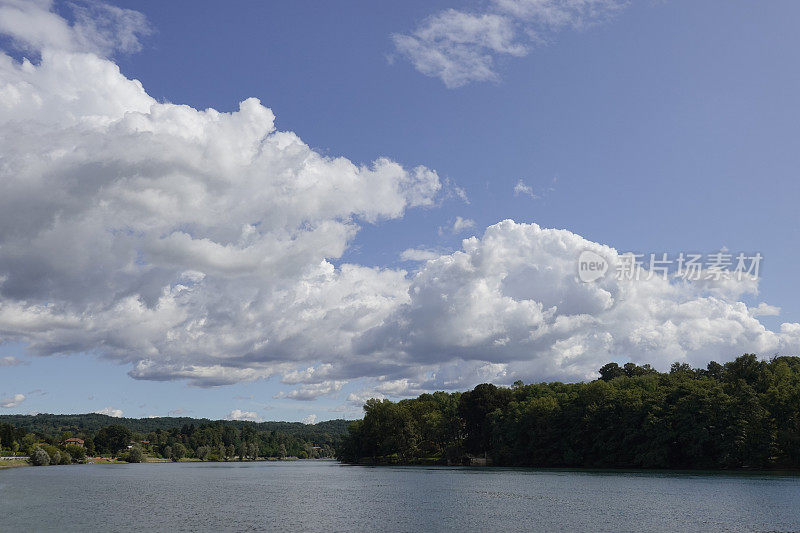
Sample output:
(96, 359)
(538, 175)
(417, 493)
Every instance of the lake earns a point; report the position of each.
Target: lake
(327, 496)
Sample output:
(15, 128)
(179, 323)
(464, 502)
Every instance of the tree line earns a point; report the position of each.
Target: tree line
(743, 414)
(46, 439)
(50, 424)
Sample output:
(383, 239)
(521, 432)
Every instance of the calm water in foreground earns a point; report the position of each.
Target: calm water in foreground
(326, 496)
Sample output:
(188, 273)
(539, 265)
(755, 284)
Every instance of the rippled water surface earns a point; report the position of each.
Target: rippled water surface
(326, 496)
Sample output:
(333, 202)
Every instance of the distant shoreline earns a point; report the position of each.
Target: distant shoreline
(63, 439)
(588, 471)
(156, 460)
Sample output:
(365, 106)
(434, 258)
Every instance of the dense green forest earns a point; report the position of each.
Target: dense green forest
(171, 438)
(743, 414)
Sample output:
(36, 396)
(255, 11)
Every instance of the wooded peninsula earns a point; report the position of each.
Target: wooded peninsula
(744, 414)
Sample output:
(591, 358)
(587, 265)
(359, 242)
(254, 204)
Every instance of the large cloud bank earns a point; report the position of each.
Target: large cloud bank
(200, 245)
(510, 305)
(190, 243)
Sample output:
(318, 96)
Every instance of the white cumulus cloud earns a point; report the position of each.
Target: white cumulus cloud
(358, 398)
(96, 27)
(418, 254)
(460, 47)
(510, 305)
(10, 360)
(456, 226)
(462, 224)
(313, 391)
(191, 244)
(12, 401)
(110, 411)
(523, 188)
(238, 414)
(764, 309)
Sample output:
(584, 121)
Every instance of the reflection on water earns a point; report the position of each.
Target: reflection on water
(327, 496)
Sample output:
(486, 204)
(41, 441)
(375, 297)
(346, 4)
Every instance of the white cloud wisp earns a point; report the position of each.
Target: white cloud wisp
(459, 47)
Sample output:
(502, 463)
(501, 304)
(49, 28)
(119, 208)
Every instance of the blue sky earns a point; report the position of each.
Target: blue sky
(671, 127)
(667, 127)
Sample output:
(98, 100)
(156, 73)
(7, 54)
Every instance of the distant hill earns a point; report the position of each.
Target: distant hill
(50, 424)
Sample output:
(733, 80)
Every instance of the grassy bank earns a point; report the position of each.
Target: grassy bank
(13, 464)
